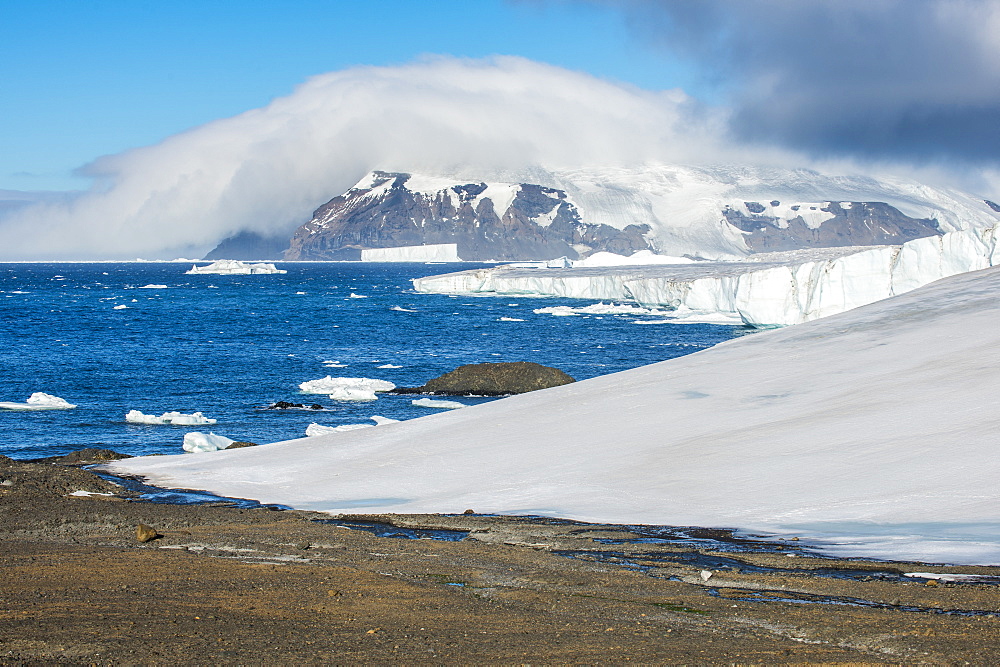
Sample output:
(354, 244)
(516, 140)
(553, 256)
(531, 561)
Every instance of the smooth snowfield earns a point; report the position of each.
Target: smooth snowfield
(873, 429)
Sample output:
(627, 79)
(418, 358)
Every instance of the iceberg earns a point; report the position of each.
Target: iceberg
(173, 418)
(436, 252)
(442, 405)
(332, 385)
(205, 442)
(315, 429)
(764, 290)
(234, 267)
(868, 432)
(39, 401)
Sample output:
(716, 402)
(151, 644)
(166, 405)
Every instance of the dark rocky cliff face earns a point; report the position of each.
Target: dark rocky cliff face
(250, 246)
(539, 223)
(859, 223)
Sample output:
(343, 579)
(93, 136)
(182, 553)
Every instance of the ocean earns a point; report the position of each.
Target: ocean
(115, 337)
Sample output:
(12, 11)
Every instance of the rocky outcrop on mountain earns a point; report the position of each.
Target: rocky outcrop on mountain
(250, 246)
(486, 221)
(771, 227)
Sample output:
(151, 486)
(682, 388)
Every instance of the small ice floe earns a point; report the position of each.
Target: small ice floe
(600, 309)
(511, 319)
(234, 267)
(120, 306)
(300, 292)
(173, 418)
(152, 286)
(195, 442)
(315, 429)
(39, 401)
(357, 296)
(347, 389)
(432, 403)
(334, 364)
(388, 366)
(400, 309)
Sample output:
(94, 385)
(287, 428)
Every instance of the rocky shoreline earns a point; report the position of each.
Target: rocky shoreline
(227, 584)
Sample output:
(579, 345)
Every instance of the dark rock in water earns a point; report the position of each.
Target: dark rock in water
(145, 533)
(242, 443)
(84, 457)
(285, 405)
(492, 379)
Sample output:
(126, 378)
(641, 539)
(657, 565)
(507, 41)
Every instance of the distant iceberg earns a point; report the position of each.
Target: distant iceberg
(173, 418)
(234, 267)
(205, 442)
(436, 252)
(39, 401)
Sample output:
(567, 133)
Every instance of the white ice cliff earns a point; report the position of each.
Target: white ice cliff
(433, 252)
(764, 290)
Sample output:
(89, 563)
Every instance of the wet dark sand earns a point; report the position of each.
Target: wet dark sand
(229, 585)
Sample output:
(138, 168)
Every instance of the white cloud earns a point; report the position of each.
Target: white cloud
(267, 169)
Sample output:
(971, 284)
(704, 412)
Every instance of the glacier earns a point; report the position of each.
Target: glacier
(763, 290)
(868, 433)
(234, 267)
(433, 252)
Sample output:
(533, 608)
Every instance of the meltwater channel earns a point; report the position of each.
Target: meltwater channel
(114, 337)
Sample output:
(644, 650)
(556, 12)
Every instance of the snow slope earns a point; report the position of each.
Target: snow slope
(872, 430)
(764, 290)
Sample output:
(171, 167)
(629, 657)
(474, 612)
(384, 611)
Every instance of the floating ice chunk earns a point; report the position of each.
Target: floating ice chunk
(400, 309)
(318, 429)
(39, 401)
(195, 442)
(511, 319)
(152, 286)
(443, 405)
(334, 364)
(174, 418)
(315, 429)
(120, 307)
(380, 420)
(329, 385)
(353, 394)
(388, 366)
(234, 267)
(357, 296)
(601, 309)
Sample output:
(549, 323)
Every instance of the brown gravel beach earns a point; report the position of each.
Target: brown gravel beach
(228, 585)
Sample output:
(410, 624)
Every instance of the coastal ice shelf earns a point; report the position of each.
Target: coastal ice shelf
(763, 290)
(869, 432)
(436, 252)
(234, 267)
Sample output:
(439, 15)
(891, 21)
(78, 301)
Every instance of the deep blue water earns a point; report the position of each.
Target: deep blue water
(230, 345)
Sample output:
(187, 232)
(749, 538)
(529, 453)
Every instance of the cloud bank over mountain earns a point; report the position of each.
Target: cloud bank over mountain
(267, 169)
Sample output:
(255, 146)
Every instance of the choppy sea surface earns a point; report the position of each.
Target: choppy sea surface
(229, 346)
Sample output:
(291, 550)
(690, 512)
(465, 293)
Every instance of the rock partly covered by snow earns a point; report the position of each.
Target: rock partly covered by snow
(869, 431)
(435, 252)
(234, 267)
(174, 418)
(764, 290)
(205, 442)
(39, 401)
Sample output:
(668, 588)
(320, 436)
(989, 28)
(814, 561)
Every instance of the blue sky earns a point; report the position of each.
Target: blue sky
(85, 78)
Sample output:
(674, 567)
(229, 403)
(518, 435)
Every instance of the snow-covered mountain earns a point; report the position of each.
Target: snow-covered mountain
(709, 212)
